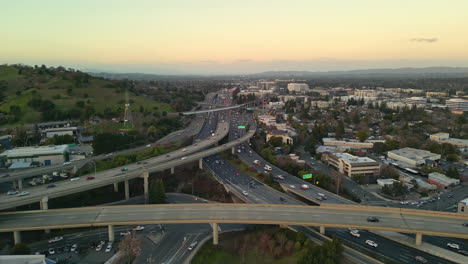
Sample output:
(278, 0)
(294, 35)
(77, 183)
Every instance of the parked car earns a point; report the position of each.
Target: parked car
(51, 251)
(109, 247)
(99, 247)
(73, 248)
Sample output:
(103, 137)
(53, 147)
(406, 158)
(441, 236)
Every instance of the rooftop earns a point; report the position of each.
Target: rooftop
(39, 150)
(414, 154)
(465, 201)
(353, 159)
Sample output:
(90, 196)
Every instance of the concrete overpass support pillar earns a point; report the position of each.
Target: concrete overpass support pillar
(15, 185)
(215, 234)
(146, 185)
(322, 230)
(44, 205)
(116, 187)
(20, 184)
(17, 237)
(233, 150)
(200, 164)
(127, 190)
(418, 239)
(111, 233)
(172, 170)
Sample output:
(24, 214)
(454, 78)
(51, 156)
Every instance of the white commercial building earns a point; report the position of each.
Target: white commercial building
(416, 100)
(411, 156)
(349, 165)
(463, 206)
(351, 144)
(365, 93)
(298, 87)
(267, 120)
(462, 144)
(457, 105)
(45, 155)
(441, 180)
(60, 131)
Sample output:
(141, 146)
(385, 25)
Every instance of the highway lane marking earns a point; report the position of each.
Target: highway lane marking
(71, 217)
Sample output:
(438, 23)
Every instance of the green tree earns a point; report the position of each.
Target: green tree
(452, 157)
(21, 249)
(276, 141)
(452, 172)
(362, 135)
(157, 193)
(386, 171)
(340, 131)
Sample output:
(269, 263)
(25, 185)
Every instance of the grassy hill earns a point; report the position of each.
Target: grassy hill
(36, 94)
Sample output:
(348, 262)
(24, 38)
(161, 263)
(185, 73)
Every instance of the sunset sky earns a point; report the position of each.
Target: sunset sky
(215, 36)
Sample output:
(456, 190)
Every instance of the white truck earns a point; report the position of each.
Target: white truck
(256, 162)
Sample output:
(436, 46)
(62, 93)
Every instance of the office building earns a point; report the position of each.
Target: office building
(457, 105)
(441, 180)
(298, 87)
(349, 165)
(44, 155)
(413, 157)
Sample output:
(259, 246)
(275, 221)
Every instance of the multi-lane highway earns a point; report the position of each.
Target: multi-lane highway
(410, 221)
(134, 170)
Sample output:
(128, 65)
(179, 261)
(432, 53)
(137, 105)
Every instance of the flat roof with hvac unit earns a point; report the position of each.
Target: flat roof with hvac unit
(35, 151)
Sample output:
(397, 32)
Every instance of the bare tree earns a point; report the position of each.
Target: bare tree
(130, 248)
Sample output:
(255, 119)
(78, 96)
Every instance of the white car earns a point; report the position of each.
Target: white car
(73, 248)
(353, 230)
(12, 192)
(321, 194)
(453, 245)
(184, 150)
(183, 158)
(245, 193)
(55, 239)
(23, 193)
(67, 163)
(51, 251)
(109, 247)
(355, 234)
(149, 145)
(75, 179)
(139, 228)
(125, 233)
(371, 243)
(292, 186)
(192, 246)
(99, 247)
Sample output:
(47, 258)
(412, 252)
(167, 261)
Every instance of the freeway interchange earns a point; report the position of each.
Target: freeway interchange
(260, 194)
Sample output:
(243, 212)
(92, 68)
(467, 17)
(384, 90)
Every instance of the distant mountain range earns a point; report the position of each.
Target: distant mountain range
(429, 72)
(398, 72)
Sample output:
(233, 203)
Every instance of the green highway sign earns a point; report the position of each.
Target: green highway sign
(241, 127)
(248, 109)
(307, 176)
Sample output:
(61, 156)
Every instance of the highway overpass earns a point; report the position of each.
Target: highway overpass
(221, 131)
(419, 222)
(167, 161)
(211, 110)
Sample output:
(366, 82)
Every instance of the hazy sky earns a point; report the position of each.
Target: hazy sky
(234, 36)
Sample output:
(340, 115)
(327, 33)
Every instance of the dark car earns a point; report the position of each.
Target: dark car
(450, 195)
(282, 199)
(124, 169)
(51, 186)
(372, 219)
(465, 224)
